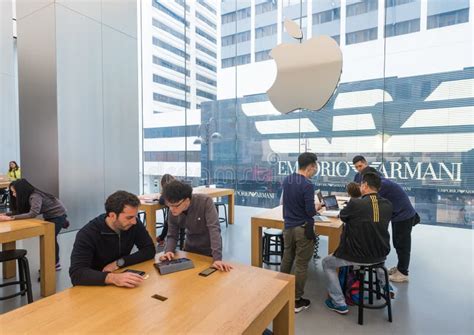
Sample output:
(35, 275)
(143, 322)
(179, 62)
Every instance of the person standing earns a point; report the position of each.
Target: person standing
(404, 217)
(14, 171)
(298, 234)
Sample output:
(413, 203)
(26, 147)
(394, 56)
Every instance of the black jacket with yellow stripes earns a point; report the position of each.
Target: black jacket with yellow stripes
(365, 237)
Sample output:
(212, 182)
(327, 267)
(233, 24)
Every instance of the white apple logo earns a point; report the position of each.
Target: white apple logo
(307, 73)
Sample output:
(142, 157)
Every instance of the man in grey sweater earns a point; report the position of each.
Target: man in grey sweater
(198, 215)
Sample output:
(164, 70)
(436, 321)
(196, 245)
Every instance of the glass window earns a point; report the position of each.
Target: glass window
(170, 100)
(169, 65)
(205, 20)
(327, 16)
(262, 55)
(207, 6)
(169, 12)
(169, 30)
(206, 80)
(402, 28)
(265, 7)
(266, 31)
(171, 83)
(206, 35)
(205, 94)
(202, 48)
(448, 19)
(361, 36)
(362, 7)
(206, 65)
(169, 47)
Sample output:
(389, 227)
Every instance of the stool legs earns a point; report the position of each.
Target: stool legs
(361, 296)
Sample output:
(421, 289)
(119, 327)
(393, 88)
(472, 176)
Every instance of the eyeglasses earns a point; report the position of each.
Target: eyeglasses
(174, 205)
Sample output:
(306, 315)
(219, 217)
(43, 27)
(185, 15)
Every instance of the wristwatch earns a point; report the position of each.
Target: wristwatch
(120, 262)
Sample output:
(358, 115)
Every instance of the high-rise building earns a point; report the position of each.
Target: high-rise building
(179, 59)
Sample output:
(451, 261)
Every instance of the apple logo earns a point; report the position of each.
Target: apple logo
(307, 73)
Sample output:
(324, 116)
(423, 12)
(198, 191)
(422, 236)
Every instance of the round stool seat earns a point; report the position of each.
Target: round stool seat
(10, 255)
(273, 232)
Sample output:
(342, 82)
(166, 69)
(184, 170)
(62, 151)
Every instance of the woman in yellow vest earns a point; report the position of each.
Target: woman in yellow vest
(14, 171)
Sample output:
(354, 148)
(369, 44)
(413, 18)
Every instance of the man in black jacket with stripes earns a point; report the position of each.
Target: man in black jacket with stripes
(365, 238)
(104, 244)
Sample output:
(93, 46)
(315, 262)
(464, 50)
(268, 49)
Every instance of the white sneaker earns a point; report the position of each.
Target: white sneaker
(398, 277)
(392, 270)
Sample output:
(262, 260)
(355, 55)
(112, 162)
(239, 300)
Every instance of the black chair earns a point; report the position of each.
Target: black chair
(23, 270)
(165, 211)
(142, 217)
(370, 271)
(222, 219)
(272, 245)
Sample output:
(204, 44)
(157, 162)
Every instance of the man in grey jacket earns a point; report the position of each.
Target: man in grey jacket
(198, 215)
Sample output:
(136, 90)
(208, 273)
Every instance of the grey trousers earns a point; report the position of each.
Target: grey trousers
(298, 250)
(330, 265)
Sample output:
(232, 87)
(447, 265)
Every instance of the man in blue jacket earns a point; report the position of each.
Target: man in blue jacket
(104, 244)
(403, 218)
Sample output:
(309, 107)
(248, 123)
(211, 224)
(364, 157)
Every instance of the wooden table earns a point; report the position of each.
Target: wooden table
(4, 184)
(243, 301)
(273, 218)
(11, 231)
(150, 207)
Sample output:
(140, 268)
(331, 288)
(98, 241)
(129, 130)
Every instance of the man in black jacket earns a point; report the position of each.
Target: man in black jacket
(365, 238)
(104, 245)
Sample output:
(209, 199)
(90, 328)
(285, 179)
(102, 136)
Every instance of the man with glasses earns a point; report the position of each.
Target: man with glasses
(365, 238)
(198, 215)
(104, 245)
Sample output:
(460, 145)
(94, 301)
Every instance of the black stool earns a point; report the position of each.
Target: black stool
(23, 270)
(224, 219)
(371, 271)
(272, 245)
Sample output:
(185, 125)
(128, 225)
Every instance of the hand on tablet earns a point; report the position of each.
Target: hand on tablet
(167, 256)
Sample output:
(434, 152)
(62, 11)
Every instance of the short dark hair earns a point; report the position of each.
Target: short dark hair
(358, 158)
(372, 179)
(176, 191)
(353, 189)
(117, 201)
(369, 169)
(165, 179)
(306, 158)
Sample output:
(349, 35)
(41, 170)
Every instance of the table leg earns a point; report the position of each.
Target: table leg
(9, 268)
(256, 241)
(151, 222)
(47, 261)
(231, 203)
(284, 322)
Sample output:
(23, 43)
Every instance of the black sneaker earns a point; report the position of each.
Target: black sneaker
(301, 304)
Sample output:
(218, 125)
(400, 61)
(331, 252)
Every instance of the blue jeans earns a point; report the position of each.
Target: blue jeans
(330, 265)
(60, 222)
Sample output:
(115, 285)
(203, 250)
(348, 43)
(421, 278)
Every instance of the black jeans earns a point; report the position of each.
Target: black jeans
(60, 222)
(401, 232)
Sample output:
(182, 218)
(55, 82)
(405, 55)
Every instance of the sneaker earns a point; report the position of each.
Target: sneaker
(58, 267)
(391, 291)
(301, 304)
(398, 277)
(337, 309)
(392, 270)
